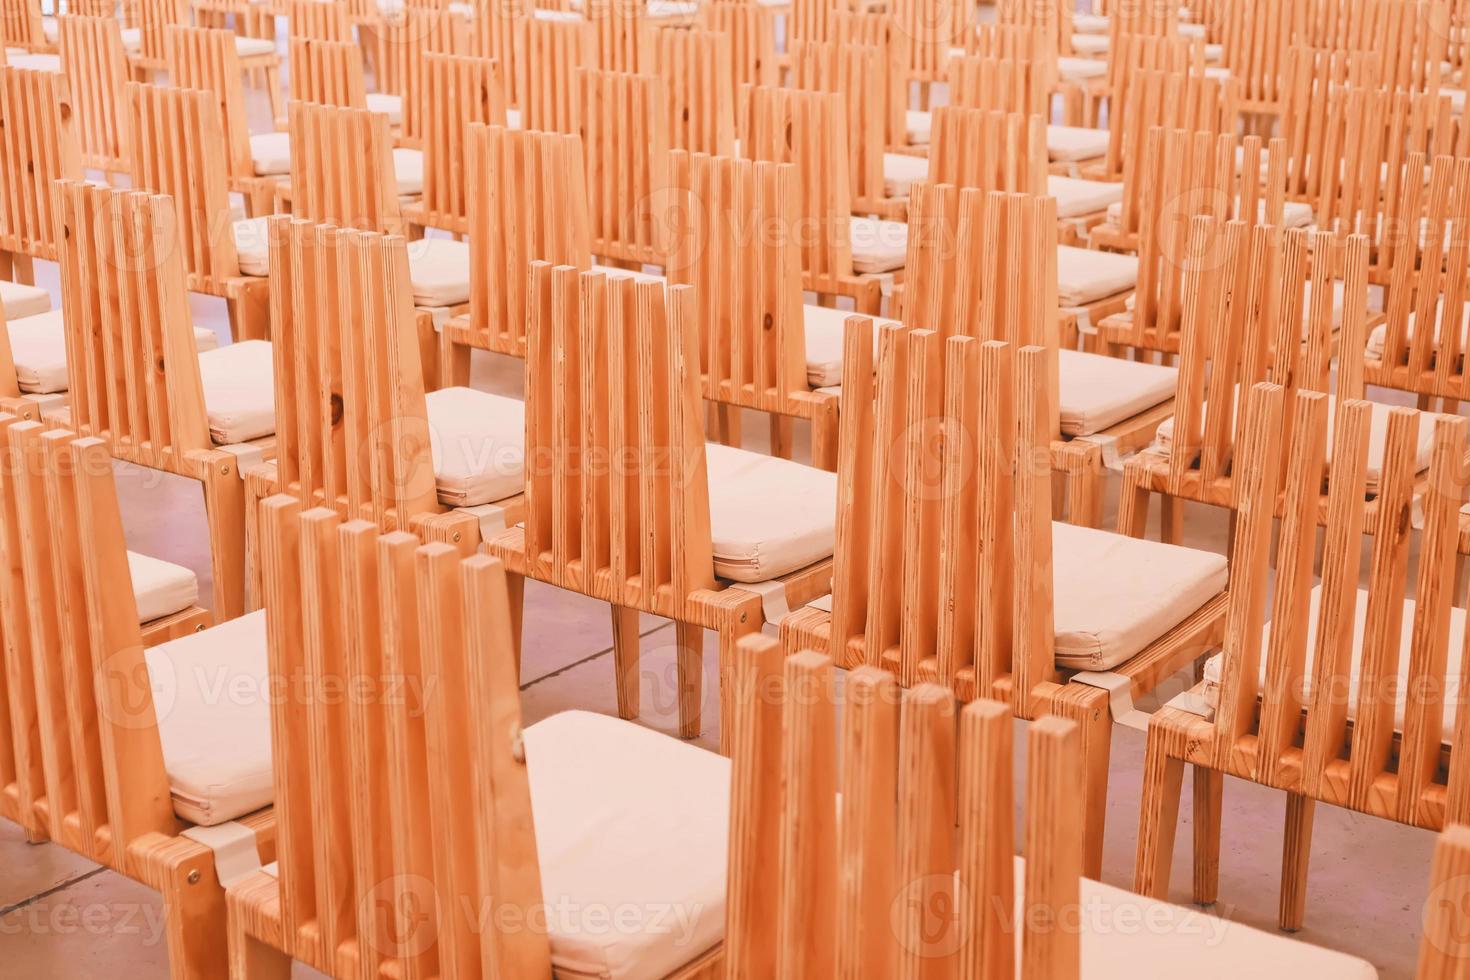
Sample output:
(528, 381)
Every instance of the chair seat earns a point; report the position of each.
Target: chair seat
(1377, 438)
(1068, 144)
(1090, 23)
(38, 348)
(35, 60)
(768, 516)
(386, 104)
(1081, 69)
(1096, 391)
(239, 391)
(408, 170)
(478, 443)
(270, 153)
(252, 246)
(1089, 45)
(1451, 693)
(211, 695)
(901, 170)
(248, 47)
(825, 329)
(20, 300)
(878, 245)
(161, 588)
(439, 271)
(1116, 594)
(1076, 197)
(1378, 337)
(1085, 276)
(627, 819)
(917, 124)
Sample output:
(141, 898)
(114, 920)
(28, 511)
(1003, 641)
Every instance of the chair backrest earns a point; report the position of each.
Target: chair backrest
(531, 205)
(409, 40)
(619, 31)
(738, 248)
(752, 32)
(1304, 708)
(327, 72)
(858, 73)
(38, 146)
(207, 60)
(131, 358)
(1133, 53)
(623, 120)
(549, 53)
(80, 754)
(494, 32)
(342, 167)
(96, 71)
(881, 31)
(1174, 101)
(928, 30)
(991, 150)
(1255, 37)
(179, 152)
(695, 68)
(1158, 18)
(1053, 17)
(20, 25)
(152, 19)
(315, 19)
(613, 405)
(374, 828)
(1005, 84)
(887, 846)
(808, 129)
(456, 91)
(1410, 38)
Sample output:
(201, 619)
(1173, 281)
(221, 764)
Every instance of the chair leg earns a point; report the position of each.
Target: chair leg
(783, 436)
(1133, 503)
(250, 313)
(1158, 817)
(727, 424)
(224, 506)
(195, 921)
(825, 428)
(1209, 792)
(689, 640)
(1088, 707)
(1296, 854)
(428, 349)
(1171, 519)
(625, 659)
(454, 363)
(515, 587)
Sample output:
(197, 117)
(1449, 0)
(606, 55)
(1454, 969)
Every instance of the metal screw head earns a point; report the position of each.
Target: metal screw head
(194, 877)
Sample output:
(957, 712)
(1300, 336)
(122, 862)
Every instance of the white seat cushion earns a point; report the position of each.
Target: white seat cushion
(386, 104)
(478, 443)
(1193, 30)
(768, 516)
(38, 348)
(1090, 23)
(270, 153)
(252, 246)
(917, 124)
(50, 29)
(1377, 438)
(1081, 69)
(161, 588)
(1076, 197)
(132, 39)
(627, 819)
(512, 118)
(1114, 594)
(1085, 276)
(408, 170)
(671, 9)
(246, 47)
(1090, 44)
(825, 329)
(439, 271)
(1099, 391)
(1451, 693)
(1378, 338)
(1072, 143)
(239, 391)
(878, 245)
(1214, 52)
(36, 61)
(20, 300)
(211, 695)
(900, 170)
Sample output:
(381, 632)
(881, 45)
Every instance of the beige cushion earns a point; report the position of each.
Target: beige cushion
(1081, 69)
(1114, 595)
(1085, 276)
(768, 516)
(1071, 143)
(1377, 438)
(270, 153)
(50, 29)
(20, 300)
(252, 246)
(478, 442)
(239, 391)
(917, 124)
(38, 348)
(900, 170)
(878, 245)
(439, 271)
(1193, 30)
(247, 47)
(1076, 197)
(630, 823)
(1090, 44)
(1214, 52)
(211, 695)
(408, 170)
(825, 329)
(1218, 72)
(1294, 214)
(36, 61)
(1451, 693)
(1098, 391)
(1090, 23)
(387, 104)
(161, 588)
(132, 39)
(1378, 337)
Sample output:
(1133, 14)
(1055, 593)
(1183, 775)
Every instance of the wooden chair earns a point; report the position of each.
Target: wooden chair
(256, 56)
(1255, 41)
(1000, 84)
(375, 826)
(1132, 54)
(21, 26)
(612, 380)
(135, 377)
(549, 55)
(1347, 675)
(1408, 38)
(696, 70)
(412, 37)
(40, 146)
(96, 69)
(747, 290)
(1442, 953)
(456, 92)
(322, 21)
(945, 548)
(842, 255)
(114, 749)
(752, 32)
(519, 173)
(178, 152)
(882, 31)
